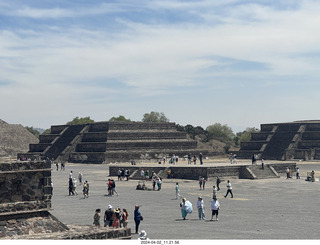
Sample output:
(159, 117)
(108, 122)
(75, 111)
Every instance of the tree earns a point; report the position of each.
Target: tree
(220, 132)
(119, 119)
(33, 131)
(82, 120)
(154, 117)
(245, 135)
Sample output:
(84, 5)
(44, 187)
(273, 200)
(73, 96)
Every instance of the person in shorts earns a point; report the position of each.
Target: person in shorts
(215, 206)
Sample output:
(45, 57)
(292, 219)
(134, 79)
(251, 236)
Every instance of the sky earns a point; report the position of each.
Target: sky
(236, 62)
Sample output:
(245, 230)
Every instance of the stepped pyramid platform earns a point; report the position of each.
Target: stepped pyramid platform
(284, 141)
(105, 142)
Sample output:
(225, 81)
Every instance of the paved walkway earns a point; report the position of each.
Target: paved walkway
(261, 209)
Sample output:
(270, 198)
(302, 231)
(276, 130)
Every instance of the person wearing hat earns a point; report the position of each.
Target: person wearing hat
(200, 206)
(215, 206)
(116, 218)
(108, 216)
(137, 217)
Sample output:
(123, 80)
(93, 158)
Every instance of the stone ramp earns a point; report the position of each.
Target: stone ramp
(259, 173)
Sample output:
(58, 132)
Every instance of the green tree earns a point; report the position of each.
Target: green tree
(33, 131)
(119, 119)
(82, 120)
(220, 132)
(245, 135)
(47, 131)
(154, 117)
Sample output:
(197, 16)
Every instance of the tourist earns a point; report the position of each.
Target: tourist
(177, 190)
(215, 206)
(312, 176)
(200, 158)
(203, 183)
(126, 173)
(96, 217)
(235, 158)
(189, 158)
(262, 163)
(119, 174)
(142, 173)
(229, 189)
(186, 208)
(288, 172)
(108, 214)
(147, 174)
(214, 192)
(70, 187)
(85, 190)
(80, 176)
(70, 175)
(125, 216)
(74, 186)
(109, 187)
(154, 180)
(116, 218)
(200, 182)
(200, 207)
(122, 173)
(113, 186)
(57, 165)
(137, 217)
(159, 183)
(164, 160)
(194, 160)
(218, 183)
(231, 158)
(177, 159)
(298, 173)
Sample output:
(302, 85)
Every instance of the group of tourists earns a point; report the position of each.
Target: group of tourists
(72, 185)
(115, 218)
(186, 205)
(194, 159)
(186, 208)
(123, 174)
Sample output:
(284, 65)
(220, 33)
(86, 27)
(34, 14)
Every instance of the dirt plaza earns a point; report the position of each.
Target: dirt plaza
(276, 208)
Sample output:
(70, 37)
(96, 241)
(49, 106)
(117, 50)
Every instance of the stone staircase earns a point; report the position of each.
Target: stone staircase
(258, 173)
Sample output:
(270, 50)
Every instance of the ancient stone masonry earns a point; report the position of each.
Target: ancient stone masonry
(25, 202)
(105, 142)
(284, 141)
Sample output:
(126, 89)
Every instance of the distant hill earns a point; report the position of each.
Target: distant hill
(14, 138)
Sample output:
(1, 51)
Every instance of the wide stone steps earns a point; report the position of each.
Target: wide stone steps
(265, 173)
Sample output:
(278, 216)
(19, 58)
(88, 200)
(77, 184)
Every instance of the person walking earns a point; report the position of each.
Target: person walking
(96, 217)
(200, 207)
(137, 217)
(80, 176)
(71, 188)
(74, 186)
(177, 190)
(298, 173)
(229, 189)
(215, 206)
(200, 158)
(218, 183)
(186, 208)
(214, 191)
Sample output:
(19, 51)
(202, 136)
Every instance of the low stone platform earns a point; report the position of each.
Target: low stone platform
(192, 172)
(80, 232)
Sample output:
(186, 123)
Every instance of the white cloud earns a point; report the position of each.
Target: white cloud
(154, 59)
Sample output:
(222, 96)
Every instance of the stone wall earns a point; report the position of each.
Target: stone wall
(25, 186)
(193, 172)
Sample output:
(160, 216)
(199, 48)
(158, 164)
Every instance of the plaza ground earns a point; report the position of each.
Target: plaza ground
(276, 208)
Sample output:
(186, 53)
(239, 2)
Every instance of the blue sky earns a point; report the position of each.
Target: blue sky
(240, 63)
